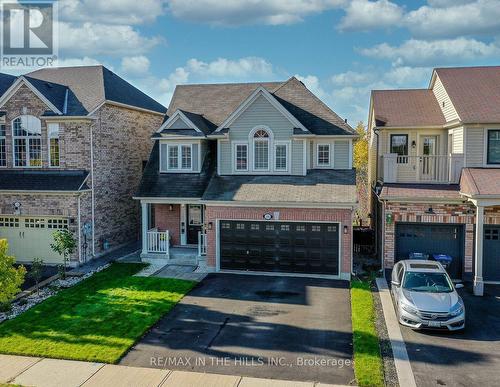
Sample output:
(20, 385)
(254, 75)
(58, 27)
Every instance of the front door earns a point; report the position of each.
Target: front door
(195, 221)
(429, 153)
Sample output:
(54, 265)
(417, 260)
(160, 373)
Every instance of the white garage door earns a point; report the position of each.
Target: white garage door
(30, 237)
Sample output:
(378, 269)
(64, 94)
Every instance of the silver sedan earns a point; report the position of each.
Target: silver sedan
(425, 296)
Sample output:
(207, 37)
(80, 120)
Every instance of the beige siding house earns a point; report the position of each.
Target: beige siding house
(434, 168)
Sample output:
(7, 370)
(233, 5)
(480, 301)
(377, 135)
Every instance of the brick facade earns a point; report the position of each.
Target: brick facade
(344, 216)
(169, 220)
(121, 143)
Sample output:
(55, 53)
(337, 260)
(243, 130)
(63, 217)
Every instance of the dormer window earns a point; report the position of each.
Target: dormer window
(27, 141)
(261, 150)
(179, 157)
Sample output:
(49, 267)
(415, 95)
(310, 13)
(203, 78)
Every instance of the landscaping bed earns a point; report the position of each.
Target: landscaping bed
(46, 272)
(98, 319)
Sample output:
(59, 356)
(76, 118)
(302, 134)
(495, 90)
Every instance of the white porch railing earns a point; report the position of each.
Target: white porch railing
(157, 241)
(202, 243)
(421, 169)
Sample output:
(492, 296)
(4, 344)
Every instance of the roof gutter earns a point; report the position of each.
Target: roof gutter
(222, 203)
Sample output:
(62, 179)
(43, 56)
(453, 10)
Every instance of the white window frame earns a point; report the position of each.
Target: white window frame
(329, 155)
(50, 137)
(235, 155)
(179, 157)
(27, 144)
(287, 155)
(4, 138)
(270, 148)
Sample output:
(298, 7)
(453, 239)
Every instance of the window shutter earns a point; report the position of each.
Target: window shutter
(163, 157)
(194, 158)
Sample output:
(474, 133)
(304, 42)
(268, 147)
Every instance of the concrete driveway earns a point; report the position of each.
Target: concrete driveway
(261, 326)
(469, 358)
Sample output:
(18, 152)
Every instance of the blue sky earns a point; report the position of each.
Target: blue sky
(341, 49)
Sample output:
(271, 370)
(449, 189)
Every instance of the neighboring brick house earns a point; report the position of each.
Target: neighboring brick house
(434, 168)
(258, 176)
(73, 142)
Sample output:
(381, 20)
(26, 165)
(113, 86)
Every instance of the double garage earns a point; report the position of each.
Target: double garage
(288, 247)
(30, 237)
(449, 239)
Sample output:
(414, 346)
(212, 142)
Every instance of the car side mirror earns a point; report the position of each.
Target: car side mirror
(395, 283)
(459, 286)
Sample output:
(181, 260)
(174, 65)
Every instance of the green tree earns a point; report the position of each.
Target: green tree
(64, 244)
(36, 272)
(360, 161)
(11, 278)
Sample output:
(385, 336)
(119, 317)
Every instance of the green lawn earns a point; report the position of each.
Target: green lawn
(368, 366)
(97, 320)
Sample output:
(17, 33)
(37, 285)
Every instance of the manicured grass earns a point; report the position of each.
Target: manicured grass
(97, 320)
(368, 366)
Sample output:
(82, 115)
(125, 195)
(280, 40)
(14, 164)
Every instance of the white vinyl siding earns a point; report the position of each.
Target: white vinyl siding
(474, 147)
(448, 109)
(179, 124)
(225, 160)
(341, 154)
(457, 143)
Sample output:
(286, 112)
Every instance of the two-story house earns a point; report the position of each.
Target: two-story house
(257, 176)
(73, 142)
(434, 168)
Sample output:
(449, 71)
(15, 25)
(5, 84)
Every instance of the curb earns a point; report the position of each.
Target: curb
(401, 359)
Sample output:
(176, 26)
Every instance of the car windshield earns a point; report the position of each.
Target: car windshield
(427, 282)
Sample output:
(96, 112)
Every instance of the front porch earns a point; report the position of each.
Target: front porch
(173, 233)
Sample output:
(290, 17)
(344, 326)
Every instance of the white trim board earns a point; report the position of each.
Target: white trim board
(178, 114)
(250, 100)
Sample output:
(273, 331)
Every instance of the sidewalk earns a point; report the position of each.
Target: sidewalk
(42, 372)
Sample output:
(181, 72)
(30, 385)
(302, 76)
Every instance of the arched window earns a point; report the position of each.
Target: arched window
(27, 141)
(261, 150)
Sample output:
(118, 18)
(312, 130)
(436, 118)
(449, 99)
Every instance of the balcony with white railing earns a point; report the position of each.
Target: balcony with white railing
(425, 169)
(157, 242)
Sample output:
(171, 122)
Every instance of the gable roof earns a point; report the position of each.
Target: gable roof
(216, 102)
(6, 81)
(403, 108)
(92, 85)
(474, 91)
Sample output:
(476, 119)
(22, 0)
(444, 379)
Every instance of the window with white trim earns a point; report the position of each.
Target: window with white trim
(241, 157)
(27, 141)
(323, 154)
(261, 150)
(3, 146)
(180, 157)
(280, 157)
(53, 134)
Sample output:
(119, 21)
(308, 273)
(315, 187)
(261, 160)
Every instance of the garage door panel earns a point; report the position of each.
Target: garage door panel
(491, 253)
(282, 246)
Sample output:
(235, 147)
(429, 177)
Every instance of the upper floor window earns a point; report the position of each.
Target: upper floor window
(179, 157)
(241, 157)
(261, 150)
(53, 134)
(27, 141)
(3, 150)
(493, 151)
(323, 154)
(280, 157)
(399, 145)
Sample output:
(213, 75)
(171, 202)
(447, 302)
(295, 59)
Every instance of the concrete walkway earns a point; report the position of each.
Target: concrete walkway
(41, 372)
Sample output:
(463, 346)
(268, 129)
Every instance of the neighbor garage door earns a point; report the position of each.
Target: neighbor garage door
(30, 237)
(289, 247)
(491, 253)
(431, 239)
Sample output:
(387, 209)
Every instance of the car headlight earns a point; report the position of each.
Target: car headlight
(457, 309)
(409, 308)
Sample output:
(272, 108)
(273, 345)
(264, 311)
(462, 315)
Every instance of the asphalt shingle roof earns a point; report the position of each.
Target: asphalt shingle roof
(216, 102)
(6, 81)
(417, 107)
(13, 180)
(318, 186)
(474, 92)
(480, 181)
(420, 191)
(174, 185)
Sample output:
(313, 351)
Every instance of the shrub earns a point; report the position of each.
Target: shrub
(64, 244)
(36, 272)
(11, 278)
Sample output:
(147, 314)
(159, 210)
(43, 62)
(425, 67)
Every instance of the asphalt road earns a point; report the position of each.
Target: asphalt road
(270, 327)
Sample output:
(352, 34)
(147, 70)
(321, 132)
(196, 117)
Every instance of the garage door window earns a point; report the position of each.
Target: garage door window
(57, 223)
(316, 228)
(9, 222)
(34, 223)
(300, 228)
(491, 234)
(269, 227)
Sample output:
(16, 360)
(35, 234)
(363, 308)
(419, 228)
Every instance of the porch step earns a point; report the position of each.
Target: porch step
(183, 255)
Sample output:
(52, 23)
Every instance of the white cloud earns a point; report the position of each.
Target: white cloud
(234, 12)
(455, 18)
(352, 78)
(363, 15)
(85, 61)
(111, 11)
(92, 39)
(222, 68)
(312, 82)
(415, 52)
(135, 65)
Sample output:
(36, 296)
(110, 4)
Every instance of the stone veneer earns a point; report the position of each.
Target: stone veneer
(121, 142)
(344, 216)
